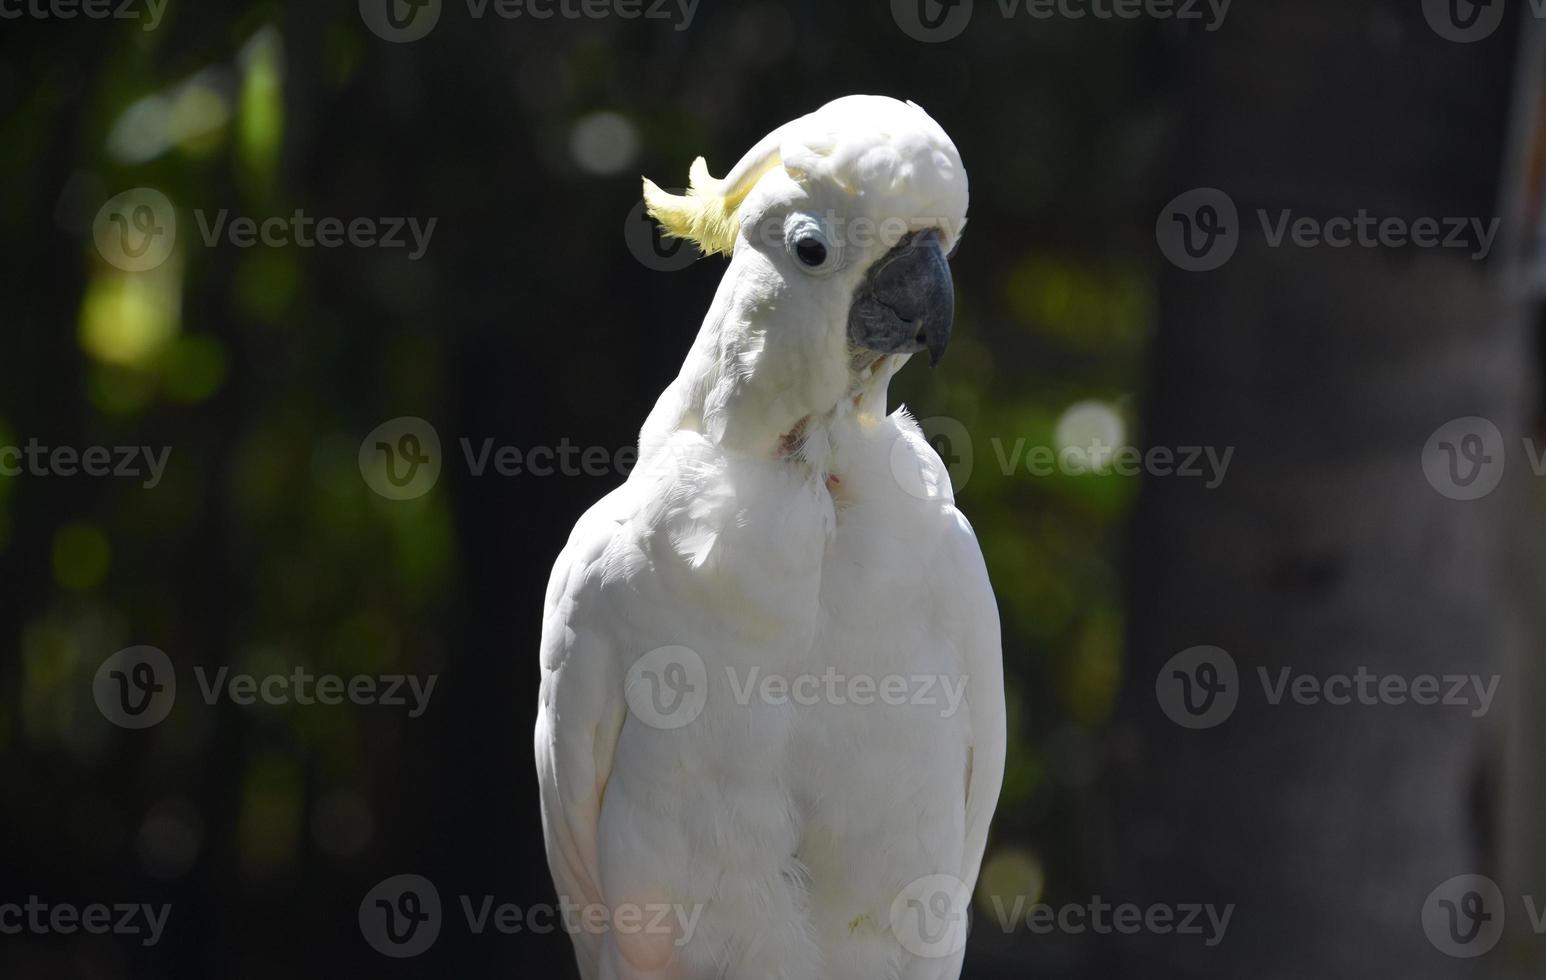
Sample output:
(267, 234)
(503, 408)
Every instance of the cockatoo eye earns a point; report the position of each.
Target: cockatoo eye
(811, 251)
(809, 245)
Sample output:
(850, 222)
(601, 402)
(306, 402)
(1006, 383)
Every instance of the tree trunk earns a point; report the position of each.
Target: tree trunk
(1325, 549)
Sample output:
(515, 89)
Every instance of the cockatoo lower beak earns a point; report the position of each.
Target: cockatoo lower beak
(907, 301)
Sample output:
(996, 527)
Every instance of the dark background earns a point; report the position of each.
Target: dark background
(531, 321)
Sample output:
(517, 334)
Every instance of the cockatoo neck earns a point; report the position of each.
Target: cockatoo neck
(771, 377)
(772, 373)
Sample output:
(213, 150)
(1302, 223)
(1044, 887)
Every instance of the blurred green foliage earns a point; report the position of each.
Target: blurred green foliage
(262, 368)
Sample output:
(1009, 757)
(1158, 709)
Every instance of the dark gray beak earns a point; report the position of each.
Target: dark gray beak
(907, 302)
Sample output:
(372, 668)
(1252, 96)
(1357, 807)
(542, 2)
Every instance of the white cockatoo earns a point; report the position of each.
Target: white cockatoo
(771, 734)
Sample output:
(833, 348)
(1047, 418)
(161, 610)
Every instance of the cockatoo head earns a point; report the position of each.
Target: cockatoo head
(838, 225)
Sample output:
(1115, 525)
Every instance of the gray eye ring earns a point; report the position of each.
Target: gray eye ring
(810, 245)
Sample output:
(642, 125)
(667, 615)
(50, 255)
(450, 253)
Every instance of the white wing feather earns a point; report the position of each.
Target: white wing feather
(982, 646)
(580, 716)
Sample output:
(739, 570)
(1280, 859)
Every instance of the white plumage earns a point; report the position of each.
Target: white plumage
(742, 775)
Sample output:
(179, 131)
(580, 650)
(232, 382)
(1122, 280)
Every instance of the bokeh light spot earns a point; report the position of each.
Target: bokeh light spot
(604, 143)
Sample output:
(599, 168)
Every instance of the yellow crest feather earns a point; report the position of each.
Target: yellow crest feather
(705, 215)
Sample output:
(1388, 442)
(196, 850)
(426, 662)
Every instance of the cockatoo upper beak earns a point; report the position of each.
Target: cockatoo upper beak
(907, 301)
